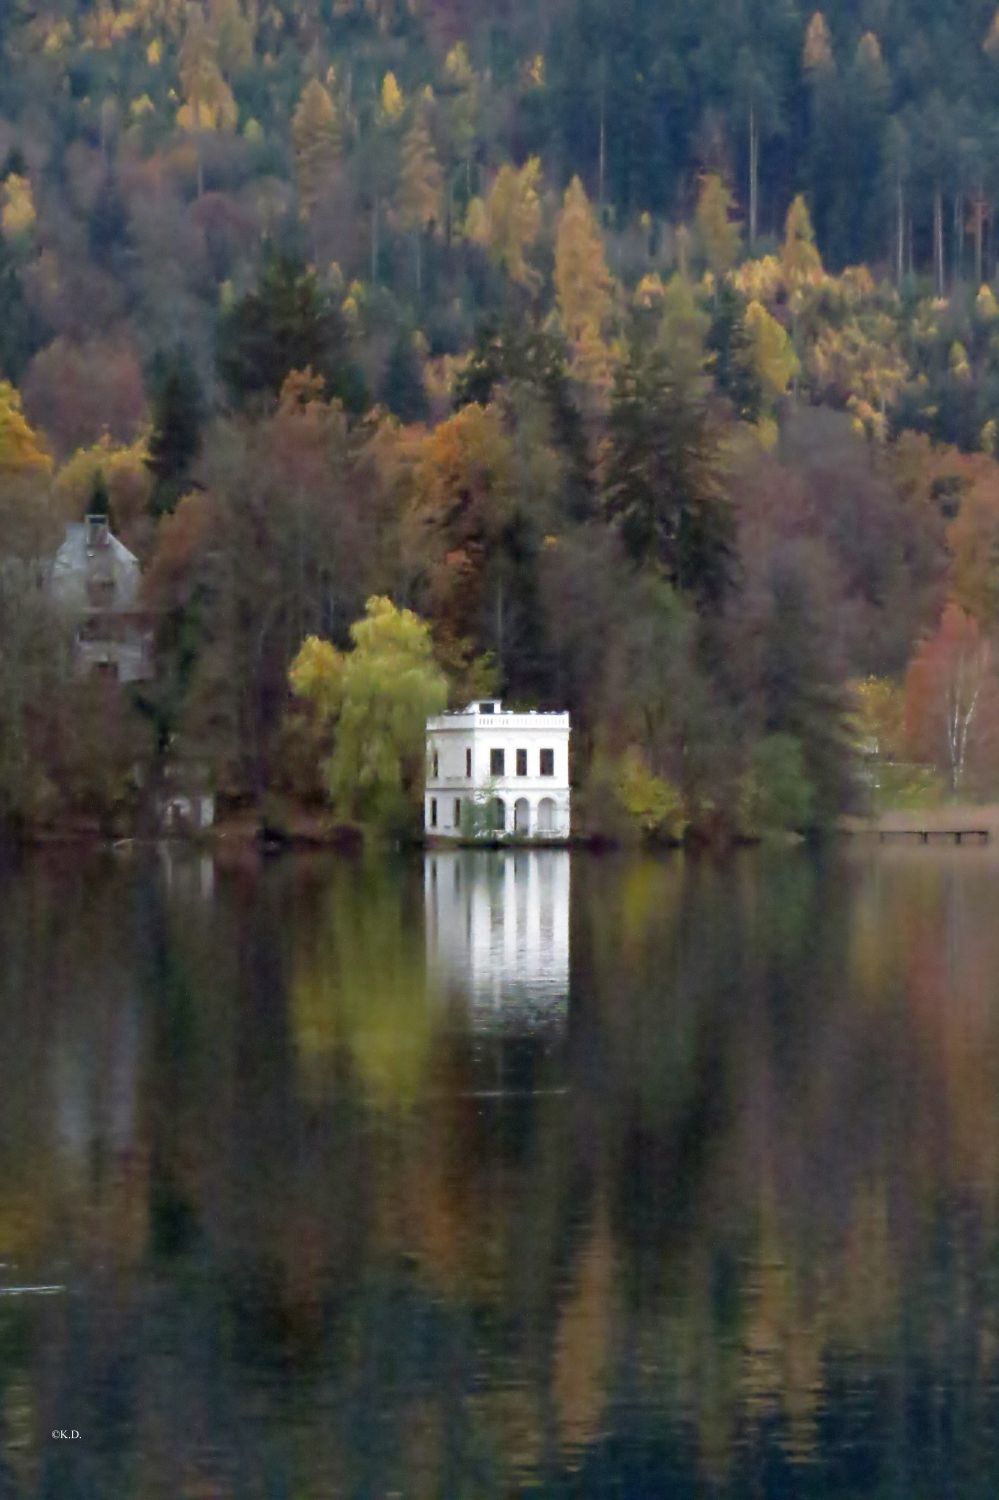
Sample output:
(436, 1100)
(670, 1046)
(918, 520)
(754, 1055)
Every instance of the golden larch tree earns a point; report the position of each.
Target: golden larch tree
(817, 56)
(509, 220)
(583, 284)
(421, 185)
(717, 227)
(317, 140)
(800, 257)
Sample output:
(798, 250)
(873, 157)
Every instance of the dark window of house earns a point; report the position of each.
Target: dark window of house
(436, 764)
(106, 669)
(548, 762)
(468, 764)
(485, 708)
(457, 812)
(521, 762)
(497, 762)
(433, 812)
(100, 592)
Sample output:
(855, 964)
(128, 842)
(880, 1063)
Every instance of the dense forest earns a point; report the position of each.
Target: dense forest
(636, 359)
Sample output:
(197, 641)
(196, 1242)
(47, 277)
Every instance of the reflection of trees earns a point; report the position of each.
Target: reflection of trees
(758, 1228)
(360, 983)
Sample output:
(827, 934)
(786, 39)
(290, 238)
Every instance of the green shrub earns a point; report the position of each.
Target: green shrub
(776, 795)
(650, 802)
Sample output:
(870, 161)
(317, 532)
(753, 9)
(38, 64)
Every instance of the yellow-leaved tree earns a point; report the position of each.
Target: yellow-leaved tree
(775, 363)
(209, 104)
(509, 220)
(583, 285)
(800, 257)
(421, 185)
(22, 452)
(717, 227)
(17, 213)
(317, 140)
(393, 101)
(376, 698)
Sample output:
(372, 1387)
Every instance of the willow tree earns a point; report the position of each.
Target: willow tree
(376, 699)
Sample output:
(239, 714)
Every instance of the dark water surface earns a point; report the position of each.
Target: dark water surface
(494, 1174)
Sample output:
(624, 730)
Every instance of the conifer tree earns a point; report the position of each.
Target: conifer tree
(583, 283)
(817, 56)
(508, 223)
(731, 343)
(209, 103)
(662, 487)
(718, 231)
(317, 139)
(176, 428)
(420, 187)
(799, 254)
(99, 499)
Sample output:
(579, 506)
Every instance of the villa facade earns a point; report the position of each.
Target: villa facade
(495, 772)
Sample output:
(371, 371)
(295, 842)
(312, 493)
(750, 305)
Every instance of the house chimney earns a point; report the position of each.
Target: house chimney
(98, 534)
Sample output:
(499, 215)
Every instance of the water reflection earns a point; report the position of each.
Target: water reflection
(498, 931)
(349, 1201)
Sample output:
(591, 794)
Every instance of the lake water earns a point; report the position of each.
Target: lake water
(499, 1173)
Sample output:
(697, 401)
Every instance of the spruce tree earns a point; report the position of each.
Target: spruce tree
(662, 486)
(290, 322)
(731, 343)
(177, 420)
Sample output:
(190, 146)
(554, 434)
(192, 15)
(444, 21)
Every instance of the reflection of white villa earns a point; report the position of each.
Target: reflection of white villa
(498, 928)
(492, 770)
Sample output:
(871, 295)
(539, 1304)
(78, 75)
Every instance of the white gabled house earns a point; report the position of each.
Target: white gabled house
(493, 771)
(95, 580)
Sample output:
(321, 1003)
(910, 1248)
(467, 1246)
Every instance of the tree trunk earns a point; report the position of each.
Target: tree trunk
(499, 625)
(979, 216)
(374, 240)
(909, 237)
(938, 242)
(899, 231)
(754, 176)
(418, 251)
(602, 148)
(957, 270)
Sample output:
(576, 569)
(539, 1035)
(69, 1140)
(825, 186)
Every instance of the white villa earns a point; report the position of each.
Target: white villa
(492, 770)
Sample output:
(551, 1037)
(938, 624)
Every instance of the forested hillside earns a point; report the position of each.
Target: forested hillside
(648, 352)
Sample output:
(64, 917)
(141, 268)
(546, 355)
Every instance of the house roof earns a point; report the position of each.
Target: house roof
(92, 556)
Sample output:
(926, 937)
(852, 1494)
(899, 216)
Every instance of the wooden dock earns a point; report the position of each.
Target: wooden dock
(978, 835)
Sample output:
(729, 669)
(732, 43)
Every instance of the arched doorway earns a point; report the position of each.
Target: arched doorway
(546, 815)
(496, 815)
(521, 816)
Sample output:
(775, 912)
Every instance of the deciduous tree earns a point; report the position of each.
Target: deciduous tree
(378, 696)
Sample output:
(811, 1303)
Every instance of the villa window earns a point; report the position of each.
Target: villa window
(468, 764)
(457, 812)
(521, 762)
(548, 762)
(433, 812)
(437, 769)
(497, 762)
